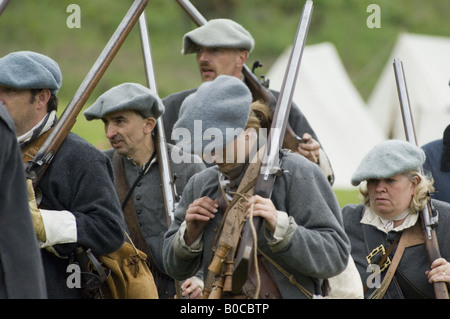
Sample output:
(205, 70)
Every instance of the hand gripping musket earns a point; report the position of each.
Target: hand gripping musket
(259, 92)
(35, 168)
(429, 222)
(170, 195)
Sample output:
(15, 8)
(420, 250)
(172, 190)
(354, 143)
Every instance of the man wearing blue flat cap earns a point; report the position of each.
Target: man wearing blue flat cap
(129, 112)
(77, 204)
(222, 47)
(386, 226)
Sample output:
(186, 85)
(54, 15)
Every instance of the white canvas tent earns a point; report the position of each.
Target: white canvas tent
(333, 107)
(426, 63)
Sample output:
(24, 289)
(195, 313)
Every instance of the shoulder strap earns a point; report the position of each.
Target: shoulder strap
(123, 188)
(410, 237)
(135, 233)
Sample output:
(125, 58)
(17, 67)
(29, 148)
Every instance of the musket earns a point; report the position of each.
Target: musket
(270, 167)
(170, 195)
(428, 220)
(259, 92)
(168, 185)
(3, 4)
(36, 168)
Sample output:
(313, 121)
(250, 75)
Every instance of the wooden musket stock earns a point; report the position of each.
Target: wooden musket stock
(428, 221)
(35, 169)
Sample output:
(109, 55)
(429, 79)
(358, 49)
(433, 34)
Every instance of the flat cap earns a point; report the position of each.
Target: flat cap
(30, 70)
(126, 96)
(387, 159)
(218, 109)
(218, 33)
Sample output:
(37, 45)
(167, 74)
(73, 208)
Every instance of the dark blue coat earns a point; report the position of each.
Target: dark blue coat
(80, 180)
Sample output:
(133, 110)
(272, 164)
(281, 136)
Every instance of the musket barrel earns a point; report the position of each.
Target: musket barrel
(3, 4)
(403, 95)
(279, 122)
(431, 243)
(192, 12)
(270, 160)
(169, 194)
(147, 53)
(168, 186)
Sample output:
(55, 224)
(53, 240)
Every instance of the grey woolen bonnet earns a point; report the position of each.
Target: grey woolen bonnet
(387, 159)
(126, 96)
(218, 108)
(218, 33)
(30, 70)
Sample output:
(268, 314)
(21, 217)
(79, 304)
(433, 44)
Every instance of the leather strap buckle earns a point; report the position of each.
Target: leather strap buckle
(382, 266)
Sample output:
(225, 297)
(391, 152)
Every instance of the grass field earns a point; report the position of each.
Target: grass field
(347, 196)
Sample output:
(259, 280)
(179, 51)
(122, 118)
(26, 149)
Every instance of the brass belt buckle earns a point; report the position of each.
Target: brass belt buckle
(382, 250)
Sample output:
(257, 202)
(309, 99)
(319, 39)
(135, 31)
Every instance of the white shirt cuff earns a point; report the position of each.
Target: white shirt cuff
(60, 227)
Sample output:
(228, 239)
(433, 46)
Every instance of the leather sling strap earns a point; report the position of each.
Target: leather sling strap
(268, 288)
(246, 187)
(229, 230)
(410, 237)
(123, 187)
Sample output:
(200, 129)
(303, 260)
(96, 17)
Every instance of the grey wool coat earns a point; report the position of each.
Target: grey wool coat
(410, 281)
(317, 249)
(149, 206)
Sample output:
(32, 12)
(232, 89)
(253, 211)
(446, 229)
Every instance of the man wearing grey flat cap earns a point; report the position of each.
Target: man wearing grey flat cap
(130, 112)
(77, 205)
(386, 226)
(222, 47)
(302, 235)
